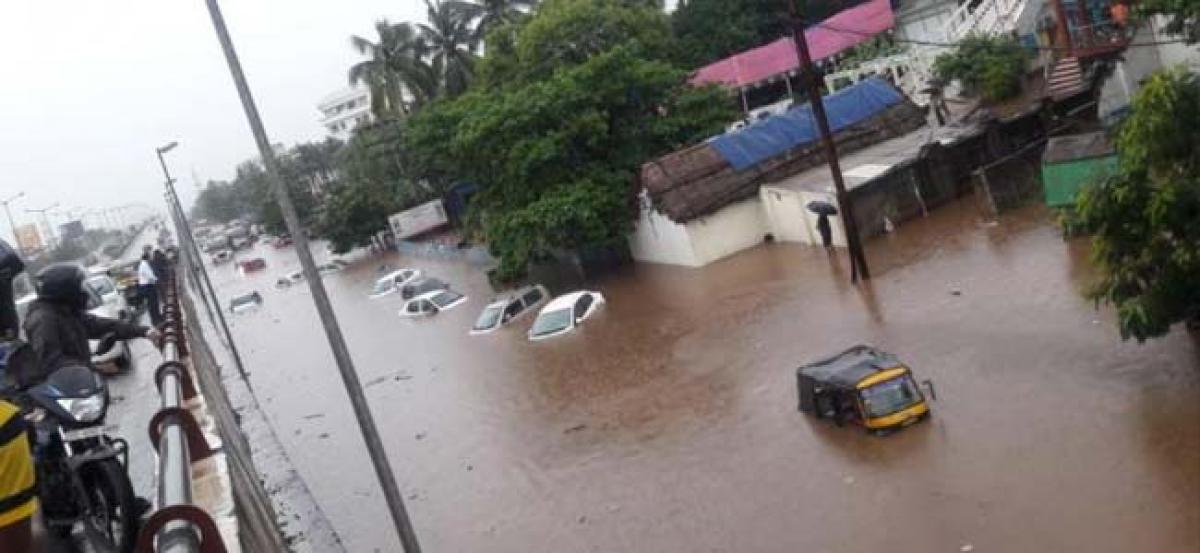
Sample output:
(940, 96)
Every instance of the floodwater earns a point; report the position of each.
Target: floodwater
(669, 422)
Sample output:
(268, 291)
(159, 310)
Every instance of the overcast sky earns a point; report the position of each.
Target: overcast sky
(92, 87)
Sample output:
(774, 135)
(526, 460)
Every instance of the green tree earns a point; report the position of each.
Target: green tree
(1184, 16)
(1146, 240)
(488, 15)
(987, 66)
(393, 65)
(557, 158)
(448, 38)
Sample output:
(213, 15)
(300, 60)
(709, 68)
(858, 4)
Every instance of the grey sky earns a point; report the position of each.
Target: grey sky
(92, 87)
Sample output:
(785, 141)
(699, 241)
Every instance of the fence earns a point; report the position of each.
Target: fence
(253, 454)
(178, 525)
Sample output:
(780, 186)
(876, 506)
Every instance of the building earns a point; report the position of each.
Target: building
(345, 110)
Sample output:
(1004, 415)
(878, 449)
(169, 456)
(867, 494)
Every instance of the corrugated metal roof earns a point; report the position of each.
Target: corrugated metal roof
(1078, 146)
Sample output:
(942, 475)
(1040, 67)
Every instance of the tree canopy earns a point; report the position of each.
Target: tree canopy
(989, 67)
(308, 169)
(556, 145)
(1183, 16)
(1146, 241)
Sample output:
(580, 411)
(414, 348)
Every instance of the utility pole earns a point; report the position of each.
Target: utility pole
(11, 224)
(337, 342)
(808, 75)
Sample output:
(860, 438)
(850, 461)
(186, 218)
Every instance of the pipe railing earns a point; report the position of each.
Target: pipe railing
(177, 525)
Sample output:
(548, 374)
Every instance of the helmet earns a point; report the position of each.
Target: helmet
(11, 265)
(62, 283)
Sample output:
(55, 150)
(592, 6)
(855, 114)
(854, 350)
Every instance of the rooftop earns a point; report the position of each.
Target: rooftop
(867, 164)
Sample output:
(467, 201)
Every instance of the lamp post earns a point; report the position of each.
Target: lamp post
(188, 241)
(333, 331)
(11, 224)
(46, 222)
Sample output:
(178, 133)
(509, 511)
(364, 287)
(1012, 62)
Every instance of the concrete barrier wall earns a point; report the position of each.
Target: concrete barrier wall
(285, 518)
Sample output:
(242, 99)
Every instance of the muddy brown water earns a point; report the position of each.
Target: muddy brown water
(669, 422)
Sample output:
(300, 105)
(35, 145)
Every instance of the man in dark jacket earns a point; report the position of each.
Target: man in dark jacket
(58, 325)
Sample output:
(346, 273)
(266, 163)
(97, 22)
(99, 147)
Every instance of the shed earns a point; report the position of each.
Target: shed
(1072, 161)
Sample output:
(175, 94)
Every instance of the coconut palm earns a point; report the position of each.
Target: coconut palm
(448, 39)
(394, 70)
(489, 14)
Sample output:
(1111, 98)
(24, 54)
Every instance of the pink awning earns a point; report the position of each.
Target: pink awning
(842, 31)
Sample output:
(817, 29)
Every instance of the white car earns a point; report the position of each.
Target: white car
(245, 302)
(391, 282)
(289, 279)
(510, 308)
(432, 303)
(106, 289)
(332, 267)
(565, 313)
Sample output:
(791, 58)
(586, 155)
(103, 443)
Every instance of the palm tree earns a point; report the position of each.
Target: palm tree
(448, 40)
(395, 70)
(489, 14)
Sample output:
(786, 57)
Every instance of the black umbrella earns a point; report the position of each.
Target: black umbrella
(821, 207)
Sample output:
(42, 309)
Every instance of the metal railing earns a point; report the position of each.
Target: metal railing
(177, 525)
(987, 17)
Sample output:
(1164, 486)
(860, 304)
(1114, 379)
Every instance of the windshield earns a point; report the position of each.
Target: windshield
(890, 396)
(244, 300)
(549, 323)
(382, 285)
(101, 285)
(489, 317)
(445, 298)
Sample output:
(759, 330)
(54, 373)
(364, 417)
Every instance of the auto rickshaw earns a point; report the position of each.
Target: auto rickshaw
(863, 386)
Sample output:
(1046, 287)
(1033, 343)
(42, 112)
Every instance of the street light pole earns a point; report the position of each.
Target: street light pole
(12, 225)
(174, 207)
(858, 259)
(337, 342)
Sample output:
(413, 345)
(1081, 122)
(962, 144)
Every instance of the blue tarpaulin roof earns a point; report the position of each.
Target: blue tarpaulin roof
(778, 134)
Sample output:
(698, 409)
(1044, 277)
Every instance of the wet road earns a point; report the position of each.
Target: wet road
(669, 423)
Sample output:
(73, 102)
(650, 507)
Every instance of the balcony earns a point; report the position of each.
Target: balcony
(1098, 39)
(1095, 27)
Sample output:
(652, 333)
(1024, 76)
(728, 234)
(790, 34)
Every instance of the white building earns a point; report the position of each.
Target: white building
(344, 110)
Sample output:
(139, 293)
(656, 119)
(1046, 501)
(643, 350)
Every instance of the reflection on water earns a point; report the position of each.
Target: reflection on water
(669, 422)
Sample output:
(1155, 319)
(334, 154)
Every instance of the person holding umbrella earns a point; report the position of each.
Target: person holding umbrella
(823, 210)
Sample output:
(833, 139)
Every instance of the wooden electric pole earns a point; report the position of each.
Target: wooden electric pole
(808, 76)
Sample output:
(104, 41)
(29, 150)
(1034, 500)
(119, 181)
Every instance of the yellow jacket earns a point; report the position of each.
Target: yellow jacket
(18, 493)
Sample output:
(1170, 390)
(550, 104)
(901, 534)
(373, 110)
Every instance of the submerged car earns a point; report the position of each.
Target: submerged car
(245, 302)
(393, 281)
(510, 308)
(252, 265)
(863, 386)
(565, 313)
(332, 267)
(420, 286)
(432, 303)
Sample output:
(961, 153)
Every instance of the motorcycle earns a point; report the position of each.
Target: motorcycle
(81, 471)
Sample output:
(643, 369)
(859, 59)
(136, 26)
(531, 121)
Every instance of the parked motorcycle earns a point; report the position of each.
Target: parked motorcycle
(81, 471)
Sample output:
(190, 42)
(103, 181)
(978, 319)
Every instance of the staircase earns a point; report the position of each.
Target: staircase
(909, 71)
(1065, 80)
(987, 17)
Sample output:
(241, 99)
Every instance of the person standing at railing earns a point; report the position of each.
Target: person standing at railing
(148, 288)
